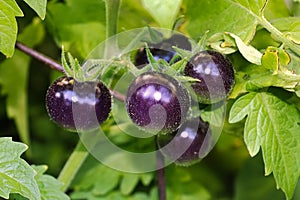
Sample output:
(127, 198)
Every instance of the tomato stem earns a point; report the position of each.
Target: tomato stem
(55, 65)
(160, 174)
(72, 166)
(38, 56)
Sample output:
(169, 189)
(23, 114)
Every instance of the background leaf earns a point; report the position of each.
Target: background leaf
(251, 185)
(16, 176)
(164, 13)
(50, 188)
(238, 17)
(290, 26)
(78, 33)
(276, 131)
(8, 33)
(39, 6)
(13, 79)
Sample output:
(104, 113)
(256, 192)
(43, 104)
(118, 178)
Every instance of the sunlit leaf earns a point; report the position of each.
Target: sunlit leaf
(273, 126)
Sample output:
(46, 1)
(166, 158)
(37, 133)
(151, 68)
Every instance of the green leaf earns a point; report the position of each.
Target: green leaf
(249, 52)
(8, 33)
(240, 17)
(235, 16)
(274, 59)
(273, 126)
(99, 179)
(13, 79)
(50, 188)
(128, 183)
(80, 32)
(39, 6)
(289, 26)
(183, 185)
(16, 176)
(163, 12)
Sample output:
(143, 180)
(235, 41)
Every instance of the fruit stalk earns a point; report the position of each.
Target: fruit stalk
(160, 174)
(55, 65)
(72, 166)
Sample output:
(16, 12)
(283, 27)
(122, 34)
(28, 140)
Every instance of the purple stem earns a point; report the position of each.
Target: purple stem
(55, 65)
(160, 174)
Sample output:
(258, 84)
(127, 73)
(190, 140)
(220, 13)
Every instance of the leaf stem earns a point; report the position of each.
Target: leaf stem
(72, 166)
(279, 36)
(55, 65)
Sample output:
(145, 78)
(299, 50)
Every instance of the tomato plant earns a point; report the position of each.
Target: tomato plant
(173, 99)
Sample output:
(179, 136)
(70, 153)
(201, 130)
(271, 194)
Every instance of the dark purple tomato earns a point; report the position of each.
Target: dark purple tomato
(187, 145)
(162, 50)
(215, 73)
(157, 102)
(78, 105)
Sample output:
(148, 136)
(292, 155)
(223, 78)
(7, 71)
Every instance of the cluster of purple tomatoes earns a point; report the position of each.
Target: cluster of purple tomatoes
(155, 101)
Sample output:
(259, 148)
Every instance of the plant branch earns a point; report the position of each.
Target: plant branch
(160, 174)
(40, 57)
(55, 65)
(72, 166)
(279, 36)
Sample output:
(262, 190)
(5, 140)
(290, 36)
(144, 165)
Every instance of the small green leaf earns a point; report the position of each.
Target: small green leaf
(270, 59)
(16, 176)
(164, 13)
(223, 43)
(249, 52)
(39, 6)
(128, 183)
(8, 33)
(50, 188)
(273, 126)
(275, 59)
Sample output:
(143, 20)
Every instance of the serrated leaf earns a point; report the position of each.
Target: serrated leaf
(236, 16)
(50, 188)
(39, 6)
(13, 79)
(8, 32)
(164, 13)
(273, 126)
(16, 176)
